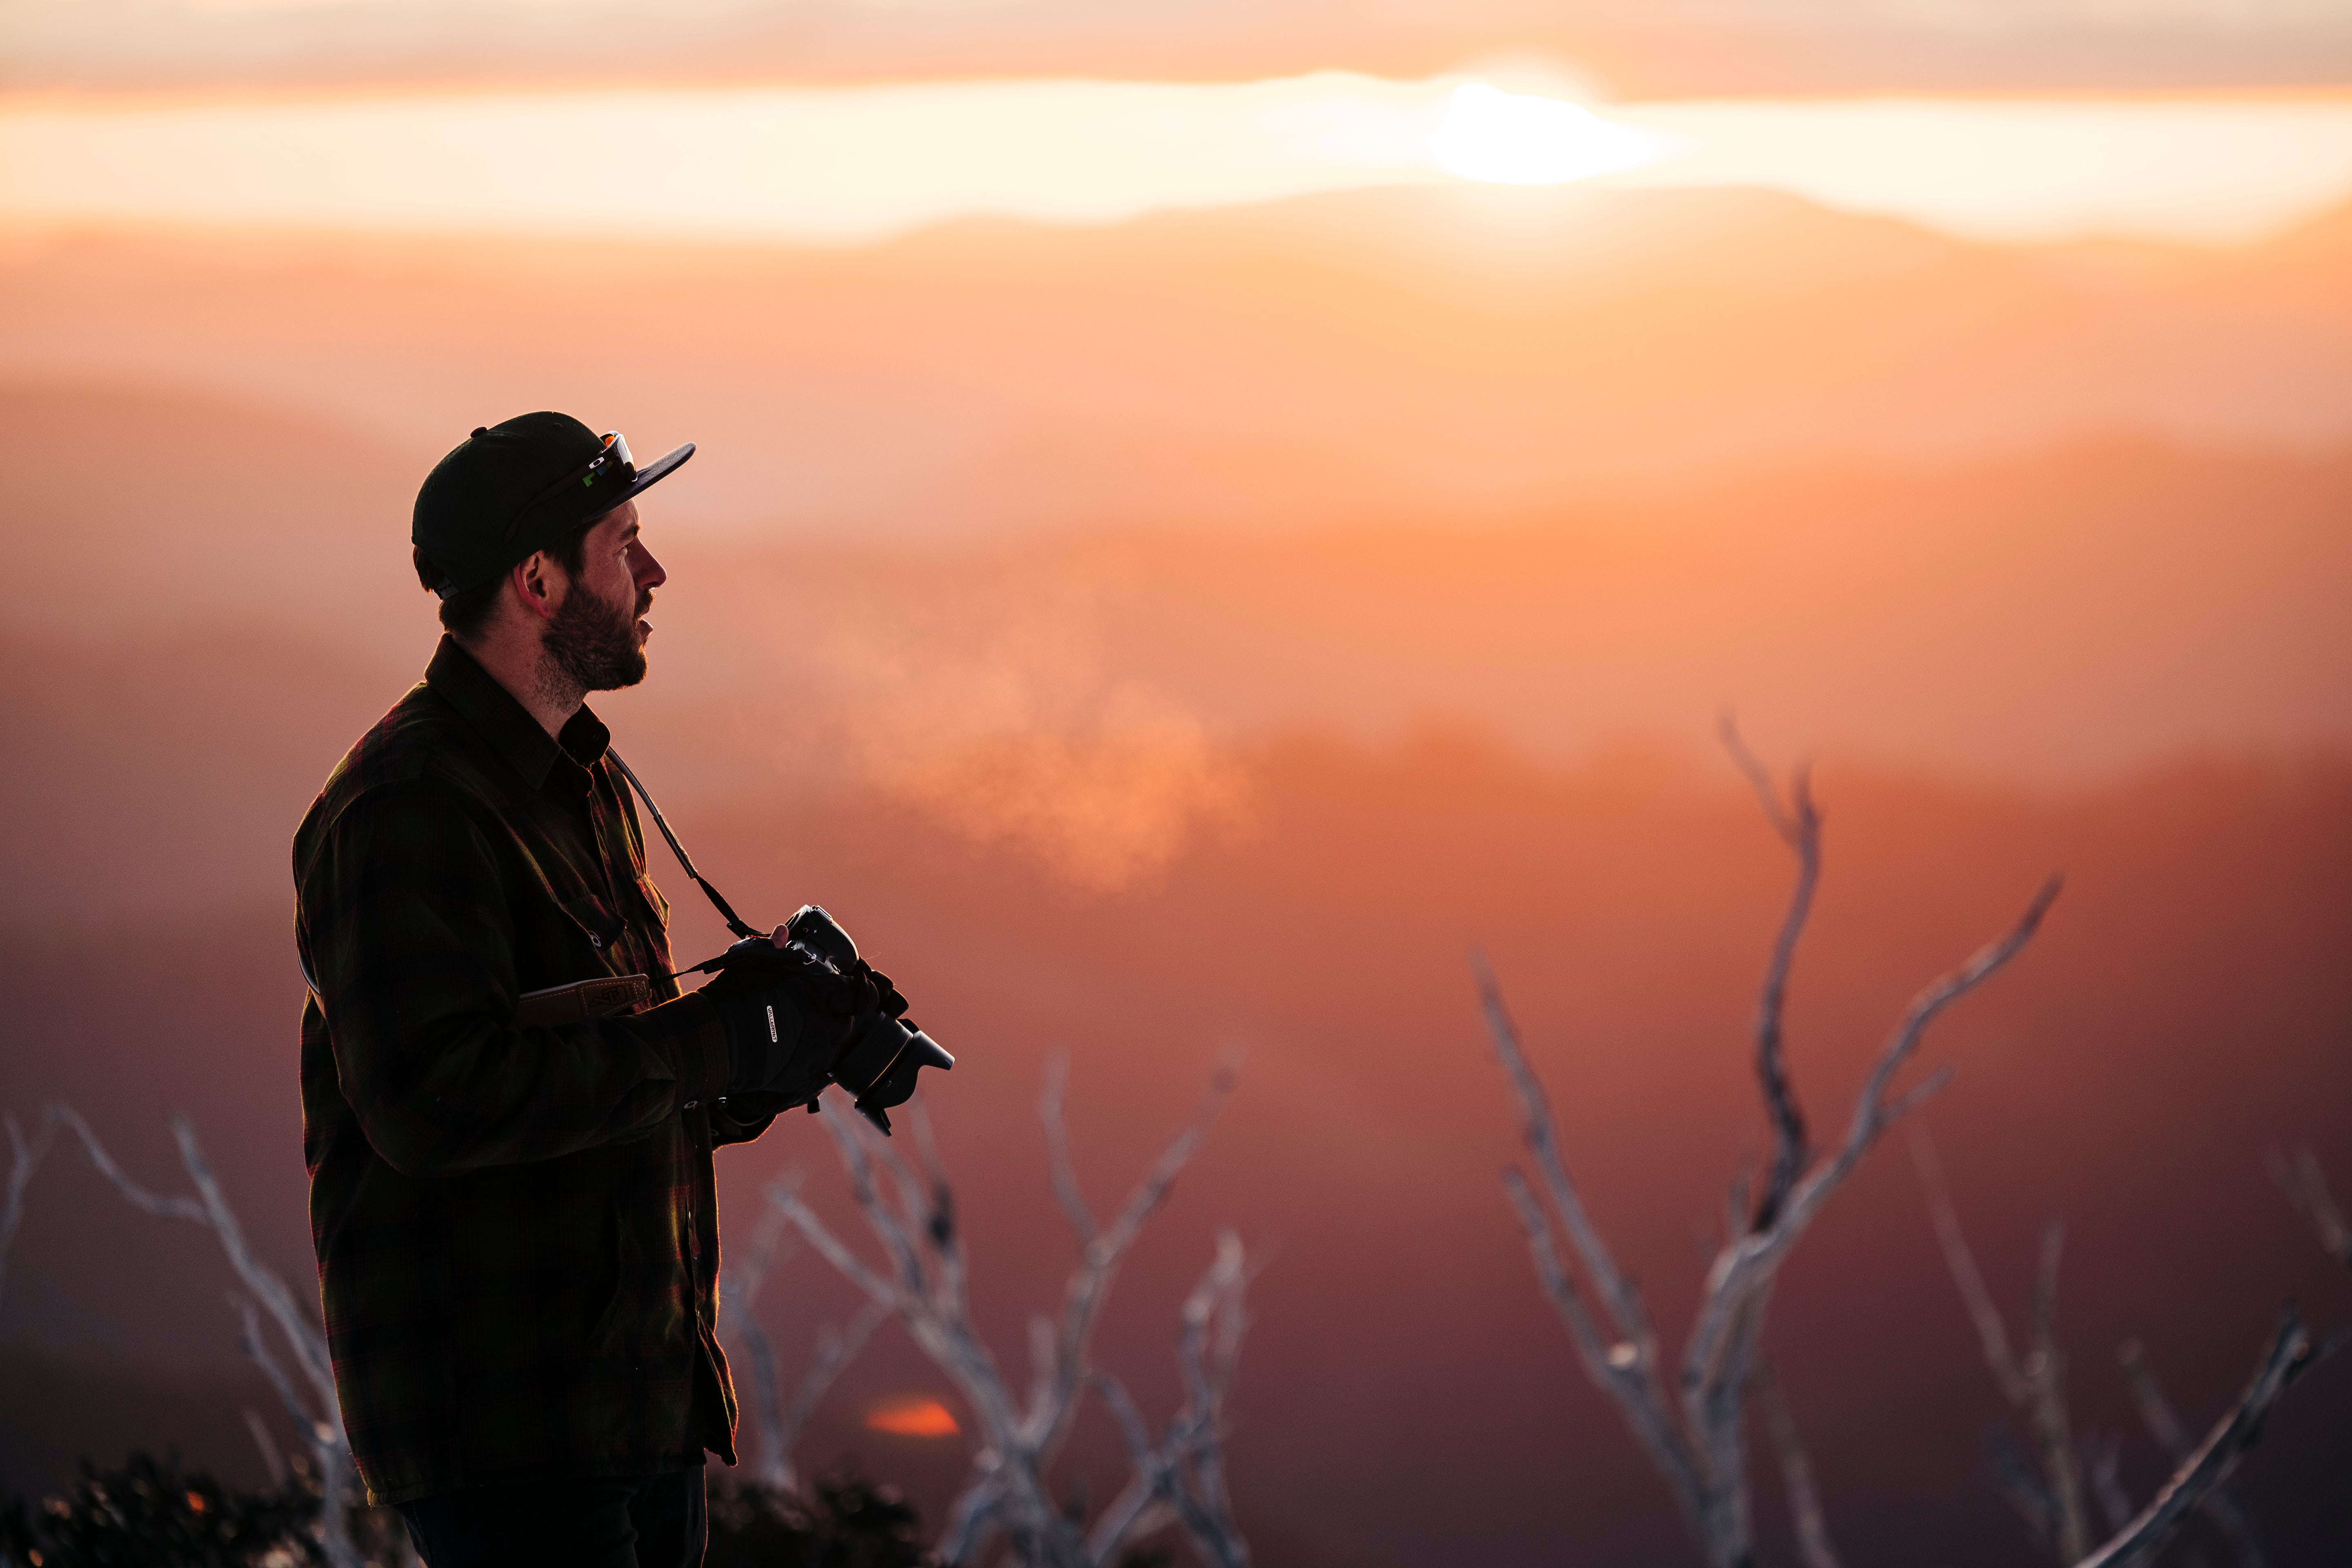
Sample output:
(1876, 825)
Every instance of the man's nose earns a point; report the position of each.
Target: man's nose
(648, 571)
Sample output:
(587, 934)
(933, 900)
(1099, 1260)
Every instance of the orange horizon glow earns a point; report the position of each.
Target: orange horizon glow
(857, 165)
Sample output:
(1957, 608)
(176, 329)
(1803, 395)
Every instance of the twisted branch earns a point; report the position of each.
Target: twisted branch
(1799, 823)
(1696, 1440)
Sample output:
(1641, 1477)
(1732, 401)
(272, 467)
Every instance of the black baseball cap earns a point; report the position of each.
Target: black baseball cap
(519, 486)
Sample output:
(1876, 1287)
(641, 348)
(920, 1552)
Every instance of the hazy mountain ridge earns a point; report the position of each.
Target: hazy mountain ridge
(1437, 352)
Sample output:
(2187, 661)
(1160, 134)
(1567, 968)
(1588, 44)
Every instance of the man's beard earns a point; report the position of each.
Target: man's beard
(593, 646)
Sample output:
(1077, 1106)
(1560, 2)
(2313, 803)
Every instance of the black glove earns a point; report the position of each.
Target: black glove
(814, 1010)
(784, 1025)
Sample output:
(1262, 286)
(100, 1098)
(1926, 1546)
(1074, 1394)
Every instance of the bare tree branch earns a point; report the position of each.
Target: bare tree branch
(836, 1349)
(273, 1460)
(780, 1424)
(319, 1416)
(1872, 1113)
(1813, 1547)
(2035, 1385)
(23, 1159)
(1008, 1489)
(2221, 1504)
(1058, 1164)
(1696, 1437)
(2287, 1357)
(2105, 1468)
(1799, 827)
(2045, 1370)
(1628, 1323)
(1614, 1360)
(2306, 1185)
(1991, 1332)
(2022, 1485)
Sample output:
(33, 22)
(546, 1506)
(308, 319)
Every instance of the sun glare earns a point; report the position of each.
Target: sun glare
(1522, 139)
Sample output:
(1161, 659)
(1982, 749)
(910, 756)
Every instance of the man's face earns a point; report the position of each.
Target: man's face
(597, 635)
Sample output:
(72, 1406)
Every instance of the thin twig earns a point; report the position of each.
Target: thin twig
(2223, 1505)
(2022, 1485)
(836, 1349)
(2034, 1386)
(2286, 1358)
(2105, 1468)
(1799, 824)
(1992, 1334)
(1628, 1323)
(23, 1158)
(1814, 1547)
(273, 1458)
(2052, 1428)
(1058, 1162)
(2306, 1185)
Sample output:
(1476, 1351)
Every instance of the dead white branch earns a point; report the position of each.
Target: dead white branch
(1183, 1473)
(2034, 1386)
(318, 1414)
(780, 1422)
(912, 1216)
(1694, 1434)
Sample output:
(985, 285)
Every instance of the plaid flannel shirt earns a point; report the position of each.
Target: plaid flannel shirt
(516, 1228)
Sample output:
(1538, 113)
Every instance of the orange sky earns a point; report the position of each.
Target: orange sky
(1193, 623)
(856, 164)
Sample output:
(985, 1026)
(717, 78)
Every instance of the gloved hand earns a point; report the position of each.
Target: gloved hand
(785, 1027)
(804, 1008)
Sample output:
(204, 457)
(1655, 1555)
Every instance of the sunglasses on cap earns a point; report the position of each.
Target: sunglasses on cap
(610, 471)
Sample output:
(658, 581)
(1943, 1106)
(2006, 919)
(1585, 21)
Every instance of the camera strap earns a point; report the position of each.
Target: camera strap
(734, 921)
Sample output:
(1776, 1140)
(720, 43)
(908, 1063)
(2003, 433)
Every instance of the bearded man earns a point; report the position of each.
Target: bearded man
(511, 1197)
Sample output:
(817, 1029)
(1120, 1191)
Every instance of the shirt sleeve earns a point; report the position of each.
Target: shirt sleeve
(404, 911)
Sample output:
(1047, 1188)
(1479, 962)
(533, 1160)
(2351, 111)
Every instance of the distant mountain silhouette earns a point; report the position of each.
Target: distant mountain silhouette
(1447, 352)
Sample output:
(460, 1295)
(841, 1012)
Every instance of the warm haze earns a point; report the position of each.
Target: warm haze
(1199, 522)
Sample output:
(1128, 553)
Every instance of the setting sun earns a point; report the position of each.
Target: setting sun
(1523, 139)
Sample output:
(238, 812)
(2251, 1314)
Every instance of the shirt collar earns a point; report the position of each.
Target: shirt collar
(508, 725)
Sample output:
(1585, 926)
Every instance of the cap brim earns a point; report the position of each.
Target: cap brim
(653, 473)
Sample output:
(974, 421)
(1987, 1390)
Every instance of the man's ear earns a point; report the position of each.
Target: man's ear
(534, 585)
